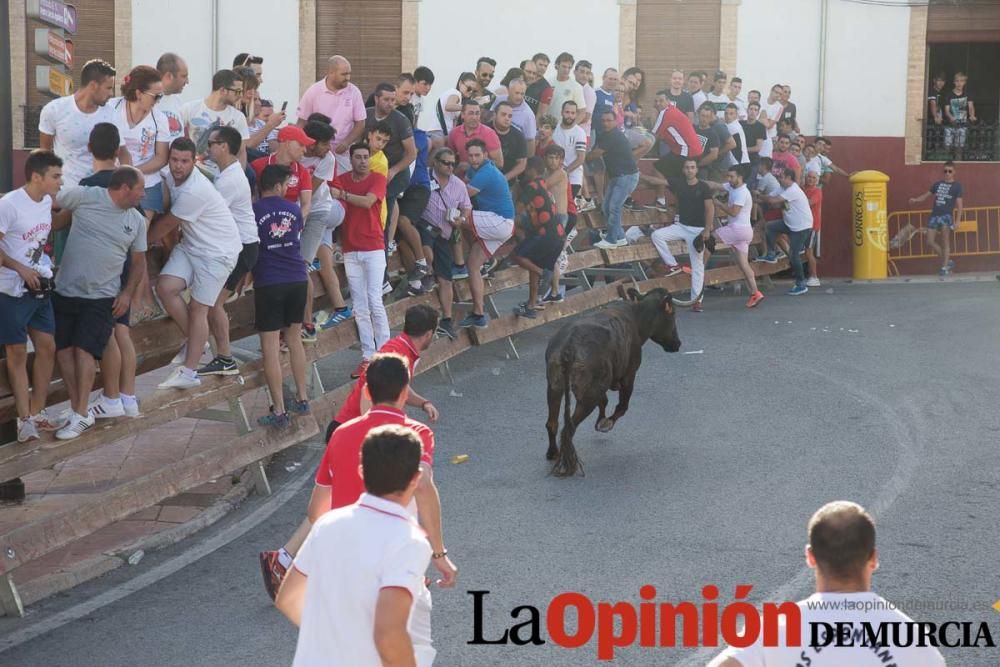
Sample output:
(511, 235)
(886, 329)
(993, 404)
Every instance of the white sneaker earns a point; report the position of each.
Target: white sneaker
(50, 420)
(572, 235)
(75, 428)
(181, 355)
(131, 408)
(26, 430)
(813, 282)
(106, 408)
(181, 378)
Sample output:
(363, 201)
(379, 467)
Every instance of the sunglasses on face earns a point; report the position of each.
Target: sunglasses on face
(447, 163)
(238, 91)
(215, 142)
(485, 75)
(949, 171)
(156, 97)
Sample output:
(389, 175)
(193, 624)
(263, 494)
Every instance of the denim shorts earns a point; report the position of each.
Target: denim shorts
(21, 313)
(153, 199)
(941, 221)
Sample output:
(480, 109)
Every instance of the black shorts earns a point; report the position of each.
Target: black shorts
(576, 187)
(444, 261)
(671, 165)
(279, 306)
(244, 265)
(83, 323)
(126, 317)
(542, 251)
(333, 426)
(413, 202)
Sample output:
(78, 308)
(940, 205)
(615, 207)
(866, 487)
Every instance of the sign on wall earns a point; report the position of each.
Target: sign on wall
(51, 80)
(51, 43)
(54, 12)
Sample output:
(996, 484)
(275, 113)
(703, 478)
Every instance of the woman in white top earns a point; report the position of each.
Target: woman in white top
(449, 106)
(145, 131)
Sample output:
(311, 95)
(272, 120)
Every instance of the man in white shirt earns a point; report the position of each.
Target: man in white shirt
(583, 73)
(566, 88)
(770, 113)
(796, 221)
(353, 583)
(738, 233)
(841, 551)
(64, 125)
(174, 72)
(423, 79)
(202, 261)
(717, 96)
(25, 285)
(735, 86)
(573, 140)
(695, 82)
(223, 147)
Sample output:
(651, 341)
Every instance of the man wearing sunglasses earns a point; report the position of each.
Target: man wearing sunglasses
(485, 68)
(219, 110)
(947, 195)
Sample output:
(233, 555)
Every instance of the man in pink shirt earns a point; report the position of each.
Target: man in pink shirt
(783, 159)
(337, 98)
(471, 129)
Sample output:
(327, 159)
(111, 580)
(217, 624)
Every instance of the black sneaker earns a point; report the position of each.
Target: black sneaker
(220, 366)
(419, 271)
(635, 208)
(446, 328)
(415, 290)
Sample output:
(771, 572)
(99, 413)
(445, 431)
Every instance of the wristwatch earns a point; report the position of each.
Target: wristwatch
(436, 556)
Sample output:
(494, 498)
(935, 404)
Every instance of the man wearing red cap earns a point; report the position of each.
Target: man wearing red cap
(292, 142)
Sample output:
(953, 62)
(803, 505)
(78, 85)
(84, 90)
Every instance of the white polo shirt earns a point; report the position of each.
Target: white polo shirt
(351, 554)
(208, 225)
(234, 187)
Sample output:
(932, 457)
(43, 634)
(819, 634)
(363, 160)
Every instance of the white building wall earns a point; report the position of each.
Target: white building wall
(866, 61)
(185, 27)
(450, 41)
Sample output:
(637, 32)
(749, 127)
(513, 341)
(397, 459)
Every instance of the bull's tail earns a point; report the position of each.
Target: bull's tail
(567, 463)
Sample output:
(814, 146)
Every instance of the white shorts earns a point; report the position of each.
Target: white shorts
(204, 276)
(491, 230)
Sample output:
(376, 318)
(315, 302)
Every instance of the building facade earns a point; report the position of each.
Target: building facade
(859, 70)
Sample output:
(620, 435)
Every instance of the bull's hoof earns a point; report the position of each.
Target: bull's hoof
(605, 425)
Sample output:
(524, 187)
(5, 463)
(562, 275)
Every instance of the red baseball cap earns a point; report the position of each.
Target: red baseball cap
(295, 133)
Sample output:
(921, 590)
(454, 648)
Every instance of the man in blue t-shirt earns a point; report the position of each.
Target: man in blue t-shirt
(491, 225)
(947, 195)
(411, 207)
(280, 291)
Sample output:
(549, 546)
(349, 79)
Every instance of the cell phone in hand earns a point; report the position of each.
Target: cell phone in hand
(284, 106)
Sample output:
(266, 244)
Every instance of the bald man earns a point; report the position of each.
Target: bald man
(341, 101)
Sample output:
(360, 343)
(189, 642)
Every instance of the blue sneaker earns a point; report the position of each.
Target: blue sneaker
(769, 258)
(524, 311)
(275, 420)
(473, 320)
(336, 317)
(299, 407)
(459, 273)
(797, 290)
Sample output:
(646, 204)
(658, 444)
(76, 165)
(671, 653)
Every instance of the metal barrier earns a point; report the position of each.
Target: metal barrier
(981, 143)
(976, 234)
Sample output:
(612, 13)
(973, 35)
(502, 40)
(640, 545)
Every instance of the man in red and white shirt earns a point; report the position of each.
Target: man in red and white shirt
(675, 129)
(339, 482)
(291, 149)
(363, 242)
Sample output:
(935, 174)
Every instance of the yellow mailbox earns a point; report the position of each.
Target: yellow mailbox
(869, 231)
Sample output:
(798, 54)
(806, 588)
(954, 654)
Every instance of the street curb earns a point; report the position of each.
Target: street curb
(91, 568)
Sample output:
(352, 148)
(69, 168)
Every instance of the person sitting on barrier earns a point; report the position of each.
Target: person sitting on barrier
(224, 145)
(354, 587)
(947, 195)
(201, 263)
(695, 219)
(325, 215)
(842, 554)
(418, 333)
(796, 222)
(118, 362)
(541, 230)
(738, 233)
(280, 291)
(767, 186)
(106, 230)
(25, 288)
(491, 225)
(449, 203)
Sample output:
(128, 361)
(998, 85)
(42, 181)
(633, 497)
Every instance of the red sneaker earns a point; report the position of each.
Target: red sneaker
(673, 271)
(272, 571)
(360, 370)
(755, 298)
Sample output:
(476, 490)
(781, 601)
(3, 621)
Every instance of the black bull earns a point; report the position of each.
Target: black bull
(596, 354)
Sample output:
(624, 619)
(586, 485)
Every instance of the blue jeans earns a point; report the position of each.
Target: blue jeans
(796, 244)
(619, 189)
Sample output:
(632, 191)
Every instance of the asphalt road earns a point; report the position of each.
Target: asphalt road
(885, 395)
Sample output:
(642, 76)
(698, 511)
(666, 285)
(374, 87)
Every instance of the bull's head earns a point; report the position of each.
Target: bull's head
(656, 317)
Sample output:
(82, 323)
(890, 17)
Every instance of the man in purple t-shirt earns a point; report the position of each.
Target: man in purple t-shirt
(280, 291)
